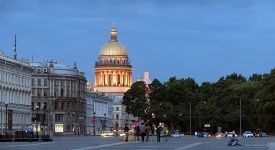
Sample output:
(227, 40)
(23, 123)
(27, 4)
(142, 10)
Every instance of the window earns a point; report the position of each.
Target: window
(45, 106)
(117, 116)
(45, 92)
(45, 82)
(33, 82)
(39, 82)
(39, 105)
(62, 92)
(38, 92)
(62, 83)
(117, 108)
(62, 106)
(55, 105)
(59, 118)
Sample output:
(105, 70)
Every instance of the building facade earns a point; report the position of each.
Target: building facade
(112, 71)
(58, 103)
(15, 95)
(99, 113)
(120, 116)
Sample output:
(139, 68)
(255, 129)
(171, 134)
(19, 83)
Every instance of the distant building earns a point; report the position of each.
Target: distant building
(120, 115)
(99, 113)
(146, 78)
(15, 95)
(58, 102)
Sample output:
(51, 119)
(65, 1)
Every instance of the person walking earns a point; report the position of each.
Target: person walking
(142, 131)
(158, 133)
(30, 132)
(137, 132)
(147, 131)
(126, 130)
(165, 132)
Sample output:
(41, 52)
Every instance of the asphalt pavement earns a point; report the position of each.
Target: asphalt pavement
(114, 143)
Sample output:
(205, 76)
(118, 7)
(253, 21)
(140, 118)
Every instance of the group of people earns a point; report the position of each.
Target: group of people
(140, 130)
(143, 131)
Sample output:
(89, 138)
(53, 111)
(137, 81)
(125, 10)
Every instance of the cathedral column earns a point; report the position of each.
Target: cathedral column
(106, 78)
(114, 79)
(120, 78)
(126, 78)
(101, 78)
(130, 78)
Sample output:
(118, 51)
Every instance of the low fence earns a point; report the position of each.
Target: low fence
(22, 136)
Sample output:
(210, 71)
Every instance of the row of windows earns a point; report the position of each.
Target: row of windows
(39, 82)
(116, 108)
(18, 118)
(57, 106)
(15, 79)
(16, 98)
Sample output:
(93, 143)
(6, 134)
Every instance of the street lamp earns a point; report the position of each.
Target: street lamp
(37, 107)
(6, 105)
(104, 122)
(190, 123)
(94, 123)
(240, 117)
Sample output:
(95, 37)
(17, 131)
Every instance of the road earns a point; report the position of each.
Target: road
(113, 143)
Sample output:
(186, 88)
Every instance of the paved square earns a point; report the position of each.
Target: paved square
(113, 143)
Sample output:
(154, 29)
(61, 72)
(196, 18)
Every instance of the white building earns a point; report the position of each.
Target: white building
(15, 95)
(99, 113)
(120, 115)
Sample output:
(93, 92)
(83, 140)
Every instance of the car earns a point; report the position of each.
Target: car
(262, 134)
(231, 134)
(219, 135)
(203, 134)
(177, 134)
(248, 134)
(107, 133)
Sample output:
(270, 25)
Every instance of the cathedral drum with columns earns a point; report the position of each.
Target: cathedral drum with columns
(113, 72)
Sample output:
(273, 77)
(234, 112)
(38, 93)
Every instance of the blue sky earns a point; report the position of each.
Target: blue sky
(202, 39)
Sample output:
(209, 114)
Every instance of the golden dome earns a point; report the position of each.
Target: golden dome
(113, 47)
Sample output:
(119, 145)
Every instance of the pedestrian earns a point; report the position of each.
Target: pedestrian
(137, 132)
(126, 131)
(165, 132)
(153, 129)
(158, 133)
(142, 131)
(147, 131)
(30, 132)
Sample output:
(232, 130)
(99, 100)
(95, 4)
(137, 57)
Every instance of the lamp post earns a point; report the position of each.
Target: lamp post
(104, 122)
(240, 117)
(6, 105)
(94, 123)
(37, 107)
(190, 123)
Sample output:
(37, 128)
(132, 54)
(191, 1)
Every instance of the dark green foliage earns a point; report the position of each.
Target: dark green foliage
(217, 103)
(135, 99)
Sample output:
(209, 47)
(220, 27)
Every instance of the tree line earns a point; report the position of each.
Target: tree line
(217, 104)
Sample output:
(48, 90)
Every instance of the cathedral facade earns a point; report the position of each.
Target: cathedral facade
(112, 71)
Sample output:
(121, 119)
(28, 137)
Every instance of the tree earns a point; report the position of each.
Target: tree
(135, 99)
(158, 100)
